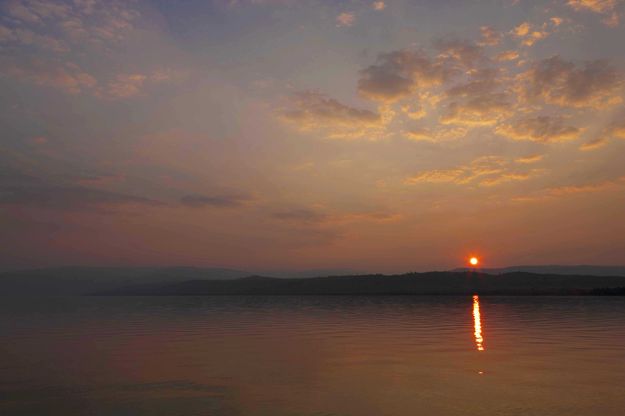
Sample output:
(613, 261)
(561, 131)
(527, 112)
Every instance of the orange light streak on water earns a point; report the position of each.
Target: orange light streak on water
(477, 324)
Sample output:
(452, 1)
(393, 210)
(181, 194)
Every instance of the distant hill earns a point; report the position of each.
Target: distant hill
(433, 283)
(587, 270)
(310, 273)
(64, 281)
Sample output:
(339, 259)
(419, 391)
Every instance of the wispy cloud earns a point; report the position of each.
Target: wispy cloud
(310, 110)
(557, 81)
(378, 5)
(603, 7)
(224, 200)
(490, 36)
(345, 19)
(543, 129)
(483, 171)
(398, 74)
(68, 197)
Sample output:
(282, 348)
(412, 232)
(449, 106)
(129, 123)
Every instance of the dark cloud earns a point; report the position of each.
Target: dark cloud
(479, 109)
(615, 129)
(315, 108)
(67, 197)
(483, 81)
(305, 215)
(63, 76)
(541, 129)
(460, 51)
(11, 177)
(217, 201)
(312, 110)
(399, 73)
(556, 81)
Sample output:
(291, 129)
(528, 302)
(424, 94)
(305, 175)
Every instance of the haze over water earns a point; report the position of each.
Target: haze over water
(313, 356)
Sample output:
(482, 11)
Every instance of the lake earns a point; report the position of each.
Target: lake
(305, 356)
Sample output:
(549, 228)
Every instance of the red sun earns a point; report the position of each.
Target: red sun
(474, 261)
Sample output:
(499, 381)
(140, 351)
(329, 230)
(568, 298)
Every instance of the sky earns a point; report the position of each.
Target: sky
(378, 136)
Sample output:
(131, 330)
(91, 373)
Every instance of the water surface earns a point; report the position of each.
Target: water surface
(310, 356)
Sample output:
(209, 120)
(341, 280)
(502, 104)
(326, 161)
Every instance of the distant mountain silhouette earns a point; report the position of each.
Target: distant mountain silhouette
(310, 273)
(587, 270)
(433, 283)
(64, 281)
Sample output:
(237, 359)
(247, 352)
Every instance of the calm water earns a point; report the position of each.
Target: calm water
(317, 356)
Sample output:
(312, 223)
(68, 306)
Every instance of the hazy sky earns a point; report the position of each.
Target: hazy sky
(384, 136)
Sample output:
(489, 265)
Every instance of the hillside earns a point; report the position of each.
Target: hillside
(433, 283)
(586, 270)
(65, 281)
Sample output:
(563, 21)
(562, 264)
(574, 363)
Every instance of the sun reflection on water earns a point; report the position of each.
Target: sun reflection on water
(477, 324)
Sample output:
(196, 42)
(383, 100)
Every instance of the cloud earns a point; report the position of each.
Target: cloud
(412, 112)
(18, 10)
(67, 197)
(130, 85)
(125, 85)
(556, 81)
(419, 134)
(556, 21)
(66, 192)
(29, 38)
(528, 34)
(310, 216)
(477, 101)
(529, 159)
(457, 176)
(398, 74)
(67, 77)
(94, 21)
(234, 3)
(506, 177)
(480, 110)
(510, 55)
(586, 188)
(616, 129)
(594, 144)
(490, 37)
(483, 171)
(378, 5)
(311, 110)
(38, 140)
(541, 129)
(345, 19)
(481, 82)
(597, 6)
(72, 79)
(438, 134)
(46, 38)
(521, 30)
(6, 34)
(612, 20)
(302, 215)
(100, 180)
(571, 190)
(461, 51)
(216, 201)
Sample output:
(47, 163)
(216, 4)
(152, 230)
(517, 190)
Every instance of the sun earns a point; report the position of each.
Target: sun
(474, 261)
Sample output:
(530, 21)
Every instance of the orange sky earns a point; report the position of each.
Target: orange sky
(280, 135)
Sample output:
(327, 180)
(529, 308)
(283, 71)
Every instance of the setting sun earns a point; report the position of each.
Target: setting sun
(474, 261)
